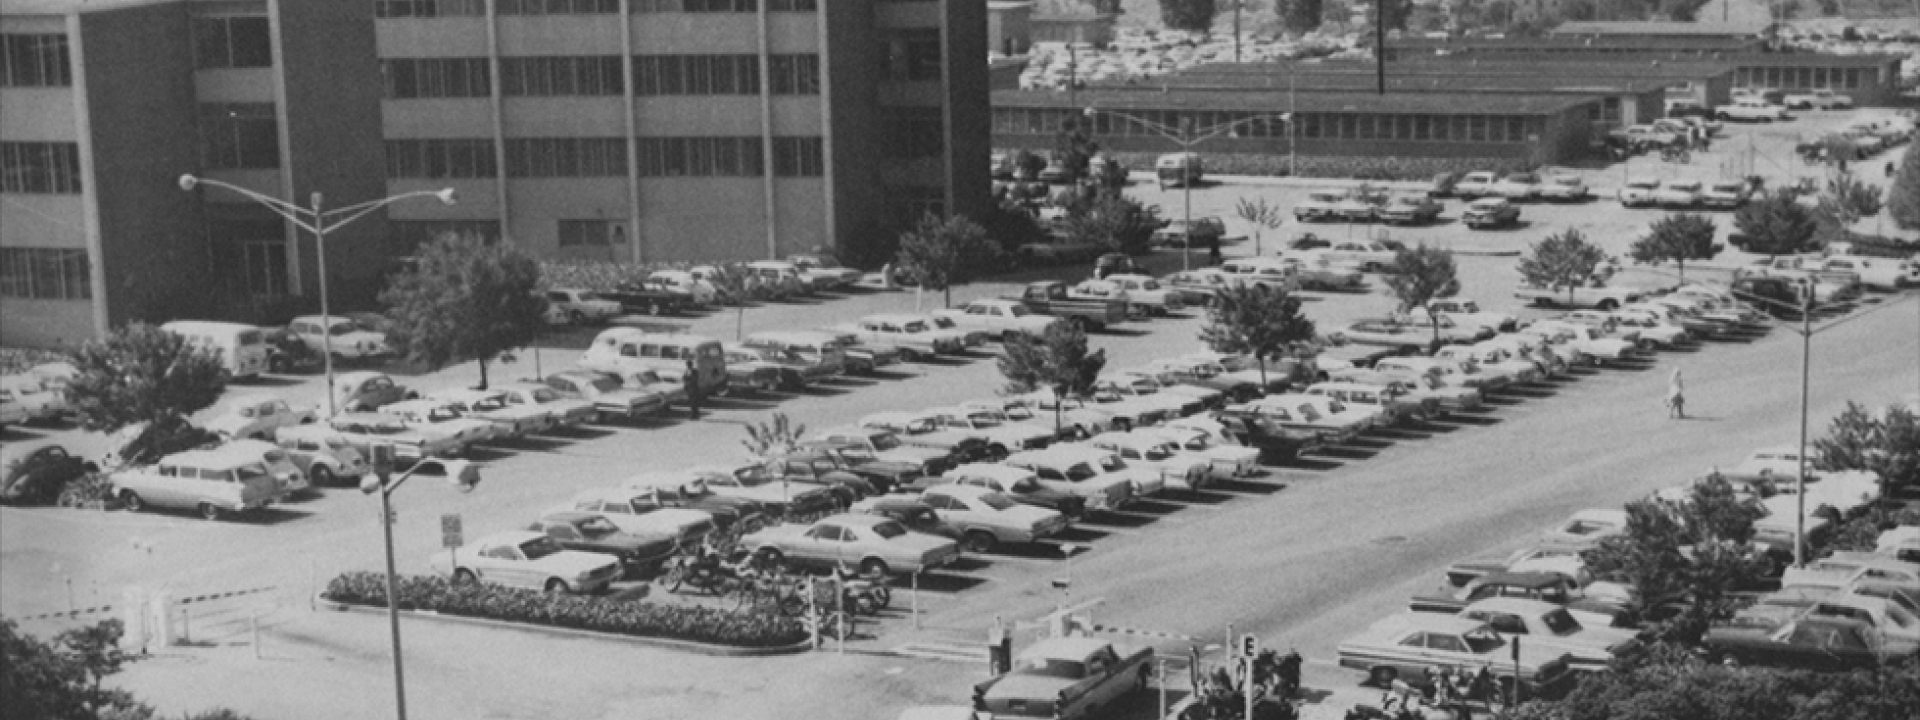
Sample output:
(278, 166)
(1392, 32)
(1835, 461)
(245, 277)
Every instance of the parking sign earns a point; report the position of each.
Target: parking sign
(450, 531)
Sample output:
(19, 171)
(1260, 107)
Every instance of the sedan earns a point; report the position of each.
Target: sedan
(1412, 645)
(638, 554)
(1490, 212)
(986, 518)
(876, 545)
(527, 559)
(1811, 643)
(1410, 210)
(258, 416)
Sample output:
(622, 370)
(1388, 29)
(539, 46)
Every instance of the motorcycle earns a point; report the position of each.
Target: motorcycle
(865, 594)
(706, 570)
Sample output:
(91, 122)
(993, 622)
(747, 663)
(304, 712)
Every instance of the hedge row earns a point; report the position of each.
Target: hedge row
(641, 619)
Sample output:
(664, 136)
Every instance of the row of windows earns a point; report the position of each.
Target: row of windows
(237, 136)
(478, 8)
(40, 168)
(561, 75)
(436, 159)
(35, 61)
(45, 274)
(599, 75)
(1342, 126)
(1796, 78)
(605, 157)
(232, 42)
(592, 233)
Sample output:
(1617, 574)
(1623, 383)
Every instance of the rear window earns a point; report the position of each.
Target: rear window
(251, 337)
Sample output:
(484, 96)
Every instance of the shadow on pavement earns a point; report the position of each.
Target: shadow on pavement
(1250, 488)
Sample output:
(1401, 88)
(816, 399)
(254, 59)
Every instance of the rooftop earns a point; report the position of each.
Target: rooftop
(1269, 100)
(1662, 28)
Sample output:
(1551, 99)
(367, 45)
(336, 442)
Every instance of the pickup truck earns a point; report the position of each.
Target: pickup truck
(1065, 678)
(1599, 298)
(1052, 297)
(644, 298)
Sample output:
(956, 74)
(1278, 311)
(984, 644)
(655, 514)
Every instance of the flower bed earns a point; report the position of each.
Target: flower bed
(597, 614)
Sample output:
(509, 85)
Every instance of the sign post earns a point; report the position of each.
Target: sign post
(1249, 647)
(450, 536)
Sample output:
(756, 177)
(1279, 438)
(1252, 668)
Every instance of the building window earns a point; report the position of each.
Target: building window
(701, 157)
(232, 42)
(429, 8)
(794, 74)
(592, 233)
(35, 61)
(40, 168)
(561, 75)
(441, 159)
(557, 7)
(404, 237)
(239, 136)
(410, 78)
(1516, 129)
(718, 6)
(696, 75)
(915, 134)
(45, 274)
(798, 157)
(793, 5)
(566, 157)
(914, 56)
(266, 266)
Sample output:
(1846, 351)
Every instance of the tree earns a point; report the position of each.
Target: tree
(467, 299)
(1887, 446)
(1563, 260)
(1116, 222)
(1262, 215)
(61, 680)
(1303, 15)
(1776, 224)
(940, 253)
(1057, 360)
(1423, 274)
(1903, 201)
(1686, 555)
(1189, 15)
(1072, 148)
(1255, 320)
(778, 437)
(140, 373)
(1009, 225)
(1846, 200)
(1678, 237)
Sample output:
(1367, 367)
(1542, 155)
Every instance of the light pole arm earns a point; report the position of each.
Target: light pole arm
(1200, 136)
(295, 214)
(1224, 128)
(343, 215)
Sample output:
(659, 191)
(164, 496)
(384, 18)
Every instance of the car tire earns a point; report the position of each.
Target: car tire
(555, 586)
(464, 576)
(132, 501)
(653, 308)
(1382, 677)
(979, 542)
(322, 475)
(873, 567)
(208, 511)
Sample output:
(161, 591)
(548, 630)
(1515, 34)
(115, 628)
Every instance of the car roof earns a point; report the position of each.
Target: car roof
(859, 519)
(220, 458)
(368, 416)
(1532, 580)
(1064, 647)
(1430, 622)
(568, 516)
(896, 317)
(508, 537)
(794, 336)
(994, 471)
(1519, 606)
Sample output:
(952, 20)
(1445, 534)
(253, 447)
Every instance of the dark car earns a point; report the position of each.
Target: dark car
(639, 297)
(1310, 241)
(1811, 642)
(1114, 264)
(36, 476)
(1779, 297)
(916, 515)
(1442, 185)
(287, 353)
(885, 475)
(728, 512)
(590, 532)
(1550, 587)
(812, 468)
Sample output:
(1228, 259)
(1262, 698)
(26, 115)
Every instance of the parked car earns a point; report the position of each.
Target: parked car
(213, 483)
(1475, 185)
(875, 545)
(1020, 484)
(1518, 187)
(1159, 299)
(1536, 622)
(1550, 587)
(1319, 205)
(509, 419)
(1368, 256)
(1677, 194)
(611, 398)
(1410, 210)
(1065, 678)
(986, 519)
(1877, 273)
(1808, 643)
(638, 553)
(528, 559)
(1533, 558)
(825, 271)
(581, 306)
(1416, 646)
(1360, 206)
(1638, 192)
(1752, 109)
(882, 475)
(1565, 188)
(1726, 195)
(442, 418)
(323, 454)
(339, 335)
(1490, 212)
(565, 411)
(782, 499)
(916, 337)
(695, 291)
(910, 512)
(1176, 234)
(363, 391)
(1002, 319)
(364, 430)
(1225, 461)
(1818, 99)
(683, 490)
(258, 416)
(925, 430)
(35, 474)
(1102, 478)
(1006, 434)
(1397, 405)
(1468, 313)
(887, 445)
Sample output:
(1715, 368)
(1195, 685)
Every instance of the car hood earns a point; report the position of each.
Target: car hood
(452, 428)
(889, 467)
(630, 543)
(573, 562)
(228, 424)
(1021, 686)
(359, 338)
(942, 438)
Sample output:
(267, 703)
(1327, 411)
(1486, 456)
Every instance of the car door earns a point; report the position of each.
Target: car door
(819, 546)
(567, 535)
(499, 564)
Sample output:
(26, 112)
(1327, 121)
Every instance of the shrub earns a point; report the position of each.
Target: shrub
(91, 487)
(639, 619)
(19, 360)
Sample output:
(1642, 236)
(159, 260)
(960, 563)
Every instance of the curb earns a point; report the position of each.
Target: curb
(697, 648)
(1486, 253)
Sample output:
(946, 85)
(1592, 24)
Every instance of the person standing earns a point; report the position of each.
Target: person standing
(692, 381)
(1676, 396)
(1213, 248)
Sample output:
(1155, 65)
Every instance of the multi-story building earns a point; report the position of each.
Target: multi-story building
(695, 130)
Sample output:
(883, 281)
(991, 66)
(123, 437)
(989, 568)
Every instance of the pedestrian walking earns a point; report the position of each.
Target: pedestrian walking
(1676, 396)
(1213, 248)
(692, 381)
(1890, 168)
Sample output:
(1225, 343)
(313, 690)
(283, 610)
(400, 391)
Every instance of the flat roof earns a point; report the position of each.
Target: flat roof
(1503, 83)
(1662, 27)
(1697, 44)
(1271, 100)
(1489, 65)
(63, 7)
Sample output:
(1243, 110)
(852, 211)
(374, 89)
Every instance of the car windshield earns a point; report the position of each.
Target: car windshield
(596, 527)
(1561, 622)
(1018, 311)
(250, 471)
(1483, 641)
(944, 322)
(1024, 485)
(982, 420)
(1158, 452)
(544, 395)
(1112, 463)
(914, 327)
(1080, 471)
(1020, 412)
(442, 414)
(889, 530)
(605, 384)
(491, 402)
(539, 547)
(885, 441)
(997, 501)
(384, 428)
(341, 328)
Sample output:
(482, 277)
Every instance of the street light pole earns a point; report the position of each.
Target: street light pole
(463, 476)
(1186, 197)
(1800, 478)
(316, 220)
(393, 603)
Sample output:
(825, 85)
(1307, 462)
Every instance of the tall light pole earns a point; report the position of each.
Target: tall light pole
(462, 475)
(1186, 137)
(319, 222)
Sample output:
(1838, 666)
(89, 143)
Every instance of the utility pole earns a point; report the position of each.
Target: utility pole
(1800, 479)
(1236, 29)
(1380, 45)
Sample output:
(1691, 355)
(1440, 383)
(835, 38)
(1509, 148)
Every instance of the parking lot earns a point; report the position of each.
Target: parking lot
(1302, 555)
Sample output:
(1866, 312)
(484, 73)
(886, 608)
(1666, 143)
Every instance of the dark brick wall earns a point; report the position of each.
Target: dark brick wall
(968, 87)
(852, 67)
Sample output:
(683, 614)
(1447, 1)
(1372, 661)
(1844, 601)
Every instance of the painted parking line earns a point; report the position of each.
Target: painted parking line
(950, 652)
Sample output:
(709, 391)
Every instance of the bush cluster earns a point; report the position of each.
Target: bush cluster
(493, 602)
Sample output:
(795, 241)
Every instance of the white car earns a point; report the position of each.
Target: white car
(1368, 256)
(986, 518)
(1564, 188)
(1320, 205)
(914, 335)
(1139, 291)
(277, 460)
(1476, 185)
(1590, 342)
(510, 420)
(1100, 476)
(1638, 192)
(1677, 194)
(1000, 318)
(1518, 187)
(1727, 195)
(635, 512)
(38, 399)
(259, 417)
(1751, 109)
(580, 306)
(995, 425)
(1880, 273)
(345, 338)
(531, 560)
(1821, 99)
(1654, 330)
(435, 417)
(701, 292)
(1468, 313)
(566, 412)
(1225, 460)
(1586, 528)
(321, 453)
(1143, 449)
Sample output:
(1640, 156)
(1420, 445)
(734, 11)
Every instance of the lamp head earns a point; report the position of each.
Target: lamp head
(1089, 112)
(189, 182)
(445, 196)
(371, 483)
